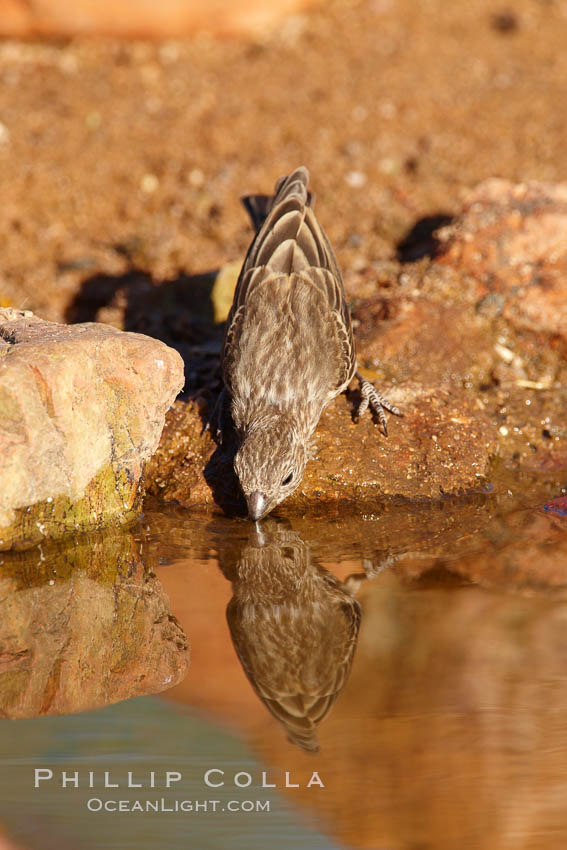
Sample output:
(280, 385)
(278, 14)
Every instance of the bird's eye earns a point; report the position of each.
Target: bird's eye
(288, 479)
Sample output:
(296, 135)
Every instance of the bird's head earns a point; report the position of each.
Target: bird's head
(269, 464)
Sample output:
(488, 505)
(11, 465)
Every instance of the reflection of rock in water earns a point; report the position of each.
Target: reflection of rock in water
(83, 624)
(294, 628)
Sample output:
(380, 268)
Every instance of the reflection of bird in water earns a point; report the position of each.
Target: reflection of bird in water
(294, 627)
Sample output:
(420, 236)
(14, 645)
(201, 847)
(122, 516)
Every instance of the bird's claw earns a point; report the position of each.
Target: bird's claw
(372, 399)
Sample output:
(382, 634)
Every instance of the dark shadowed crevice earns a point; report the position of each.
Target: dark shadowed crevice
(421, 240)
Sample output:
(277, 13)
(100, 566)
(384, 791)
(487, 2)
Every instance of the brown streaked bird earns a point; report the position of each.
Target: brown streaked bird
(294, 627)
(288, 347)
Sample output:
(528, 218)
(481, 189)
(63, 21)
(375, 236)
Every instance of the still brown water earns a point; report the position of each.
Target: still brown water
(412, 662)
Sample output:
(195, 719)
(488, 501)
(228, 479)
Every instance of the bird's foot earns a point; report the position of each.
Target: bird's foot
(372, 399)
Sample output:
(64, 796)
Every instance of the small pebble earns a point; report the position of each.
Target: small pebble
(359, 113)
(355, 179)
(149, 183)
(387, 109)
(169, 52)
(93, 120)
(388, 165)
(196, 178)
(505, 22)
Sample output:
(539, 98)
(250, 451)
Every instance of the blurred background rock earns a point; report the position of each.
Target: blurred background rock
(136, 18)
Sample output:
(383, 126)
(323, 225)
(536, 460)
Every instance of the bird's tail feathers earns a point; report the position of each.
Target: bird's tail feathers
(290, 188)
(258, 207)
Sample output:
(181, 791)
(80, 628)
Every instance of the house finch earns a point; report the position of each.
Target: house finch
(294, 627)
(288, 347)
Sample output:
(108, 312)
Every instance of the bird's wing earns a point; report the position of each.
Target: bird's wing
(290, 240)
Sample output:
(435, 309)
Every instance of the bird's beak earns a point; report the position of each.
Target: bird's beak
(257, 504)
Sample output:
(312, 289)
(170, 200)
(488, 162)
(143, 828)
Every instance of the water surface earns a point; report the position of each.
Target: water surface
(407, 671)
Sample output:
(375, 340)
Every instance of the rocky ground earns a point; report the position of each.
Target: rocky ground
(437, 153)
(469, 341)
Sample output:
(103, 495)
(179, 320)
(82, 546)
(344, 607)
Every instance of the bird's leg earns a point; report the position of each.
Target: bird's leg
(216, 418)
(377, 403)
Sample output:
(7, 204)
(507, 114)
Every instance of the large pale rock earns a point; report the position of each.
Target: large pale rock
(82, 624)
(81, 410)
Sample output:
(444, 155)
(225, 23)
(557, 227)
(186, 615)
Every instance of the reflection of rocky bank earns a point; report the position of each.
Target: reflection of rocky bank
(294, 628)
(83, 625)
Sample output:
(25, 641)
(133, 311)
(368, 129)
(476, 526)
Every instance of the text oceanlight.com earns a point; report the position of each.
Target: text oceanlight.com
(95, 804)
